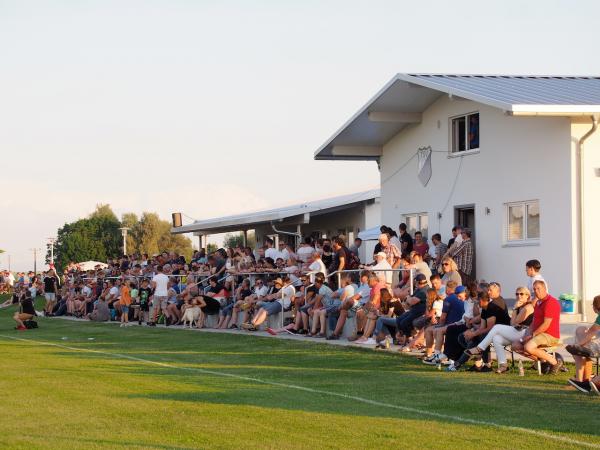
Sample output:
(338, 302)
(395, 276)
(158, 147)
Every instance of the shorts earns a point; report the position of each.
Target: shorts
(305, 308)
(50, 296)
(332, 309)
(545, 340)
(272, 308)
(160, 302)
(125, 309)
(421, 322)
(594, 345)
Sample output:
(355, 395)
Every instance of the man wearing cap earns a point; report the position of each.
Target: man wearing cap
(452, 312)
(383, 269)
(417, 304)
(275, 303)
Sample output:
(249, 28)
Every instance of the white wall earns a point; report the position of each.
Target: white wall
(591, 210)
(372, 219)
(520, 159)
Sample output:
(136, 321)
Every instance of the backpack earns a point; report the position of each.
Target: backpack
(30, 324)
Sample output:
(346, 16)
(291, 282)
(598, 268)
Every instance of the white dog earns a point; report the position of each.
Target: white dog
(191, 316)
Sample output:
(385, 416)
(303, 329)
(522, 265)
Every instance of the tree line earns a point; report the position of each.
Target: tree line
(98, 238)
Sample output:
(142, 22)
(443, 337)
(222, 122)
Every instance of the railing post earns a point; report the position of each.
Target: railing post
(411, 282)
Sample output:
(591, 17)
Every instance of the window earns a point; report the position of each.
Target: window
(417, 222)
(465, 133)
(522, 221)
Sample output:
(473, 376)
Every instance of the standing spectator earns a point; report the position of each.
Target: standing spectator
(356, 246)
(532, 269)
(270, 251)
(383, 269)
(463, 255)
(125, 302)
(392, 253)
(50, 289)
(305, 250)
(456, 231)
(440, 250)
(544, 331)
(405, 239)
(420, 245)
(160, 285)
(450, 271)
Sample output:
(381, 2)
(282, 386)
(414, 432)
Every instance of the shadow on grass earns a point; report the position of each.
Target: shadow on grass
(538, 403)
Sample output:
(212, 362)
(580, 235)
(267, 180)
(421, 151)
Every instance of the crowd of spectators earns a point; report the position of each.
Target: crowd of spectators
(415, 294)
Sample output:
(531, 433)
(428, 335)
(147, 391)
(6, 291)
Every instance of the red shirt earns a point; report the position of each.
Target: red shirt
(547, 308)
(377, 289)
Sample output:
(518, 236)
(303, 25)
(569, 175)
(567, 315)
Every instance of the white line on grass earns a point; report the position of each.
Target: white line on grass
(329, 393)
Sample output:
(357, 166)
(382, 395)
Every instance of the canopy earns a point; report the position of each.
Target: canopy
(91, 265)
(371, 234)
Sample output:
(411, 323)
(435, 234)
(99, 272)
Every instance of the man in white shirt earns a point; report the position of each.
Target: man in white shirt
(271, 252)
(160, 284)
(383, 264)
(317, 265)
(282, 302)
(305, 250)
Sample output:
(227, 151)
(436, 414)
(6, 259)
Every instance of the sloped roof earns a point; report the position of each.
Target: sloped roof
(247, 220)
(411, 94)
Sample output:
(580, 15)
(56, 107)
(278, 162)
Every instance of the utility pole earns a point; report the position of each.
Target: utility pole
(35, 250)
(51, 242)
(124, 231)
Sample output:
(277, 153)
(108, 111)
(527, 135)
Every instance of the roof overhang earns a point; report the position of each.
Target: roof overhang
(288, 215)
(401, 102)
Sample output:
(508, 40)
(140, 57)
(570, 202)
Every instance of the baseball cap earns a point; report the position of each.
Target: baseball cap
(420, 278)
(459, 289)
(382, 254)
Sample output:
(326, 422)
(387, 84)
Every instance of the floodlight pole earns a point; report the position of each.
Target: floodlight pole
(51, 242)
(124, 231)
(35, 250)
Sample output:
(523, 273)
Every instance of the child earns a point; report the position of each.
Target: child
(135, 298)
(125, 302)
(145, 293)
(532, 269)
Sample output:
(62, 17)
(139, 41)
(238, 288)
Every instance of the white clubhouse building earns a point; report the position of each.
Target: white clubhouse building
(514, 158)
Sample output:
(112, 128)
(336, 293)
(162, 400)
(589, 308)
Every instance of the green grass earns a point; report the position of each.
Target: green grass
(56, 397)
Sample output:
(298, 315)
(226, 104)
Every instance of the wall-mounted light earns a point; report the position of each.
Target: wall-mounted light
(487, 211)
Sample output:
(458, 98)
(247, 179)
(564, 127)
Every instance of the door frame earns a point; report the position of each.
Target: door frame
(457, 211)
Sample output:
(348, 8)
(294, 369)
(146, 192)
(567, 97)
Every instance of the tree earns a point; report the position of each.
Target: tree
(152, 235)
(232, 240)
(94, 238)
(211, 248)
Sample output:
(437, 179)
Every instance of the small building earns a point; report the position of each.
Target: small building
(514, 158)
(343, 215)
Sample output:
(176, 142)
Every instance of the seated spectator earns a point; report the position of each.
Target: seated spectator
(278, 304)
(415, 305)
(502, 335)
(260, 291)
(432, 316)
(371, 311)
(544, 331)
(450, 271)
(26, 311)
(241, 292)
(586, 347)
(493, 311)
(101, 313)
(352, 303)
(382, 268)
(452, 312)
(324, 301)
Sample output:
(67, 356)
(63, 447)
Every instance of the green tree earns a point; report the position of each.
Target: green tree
(233, 240)
(211, 248)
(94, 238)
(152, 235)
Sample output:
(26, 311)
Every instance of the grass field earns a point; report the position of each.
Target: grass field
(172, 389)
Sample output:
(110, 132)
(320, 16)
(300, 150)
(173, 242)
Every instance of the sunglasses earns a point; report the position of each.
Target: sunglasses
(445, 264)
(520, 293)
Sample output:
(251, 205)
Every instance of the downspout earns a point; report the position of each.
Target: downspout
(580, 180)
(297, 235)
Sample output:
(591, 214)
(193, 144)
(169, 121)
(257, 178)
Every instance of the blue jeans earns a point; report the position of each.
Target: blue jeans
(404, 323)
(382, 325)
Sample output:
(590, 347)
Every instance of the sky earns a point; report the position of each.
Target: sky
(213, 108)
